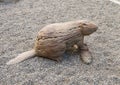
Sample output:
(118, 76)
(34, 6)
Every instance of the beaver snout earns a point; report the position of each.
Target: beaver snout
(93, 27)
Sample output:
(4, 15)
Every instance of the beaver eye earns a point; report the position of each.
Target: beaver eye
(84, 24)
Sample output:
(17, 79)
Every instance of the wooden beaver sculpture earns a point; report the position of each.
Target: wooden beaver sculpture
(54, 39)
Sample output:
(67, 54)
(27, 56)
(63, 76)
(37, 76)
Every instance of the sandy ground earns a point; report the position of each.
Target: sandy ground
(20, 22)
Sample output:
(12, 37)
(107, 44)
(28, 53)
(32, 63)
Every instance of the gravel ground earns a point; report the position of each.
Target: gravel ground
(20, 22)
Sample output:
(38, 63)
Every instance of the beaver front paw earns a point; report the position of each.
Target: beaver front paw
(86, 57)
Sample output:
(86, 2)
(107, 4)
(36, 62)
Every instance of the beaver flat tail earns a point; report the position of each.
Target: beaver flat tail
(21, 57)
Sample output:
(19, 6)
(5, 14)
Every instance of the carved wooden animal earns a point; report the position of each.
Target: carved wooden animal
(54, 39)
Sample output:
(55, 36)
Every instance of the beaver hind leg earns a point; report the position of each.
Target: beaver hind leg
(54, 58)
(57, 59)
